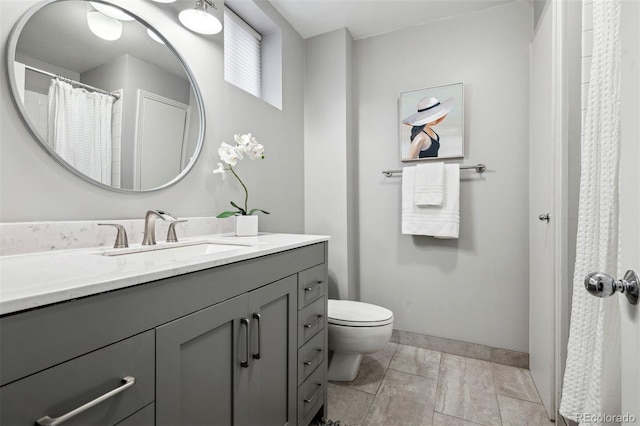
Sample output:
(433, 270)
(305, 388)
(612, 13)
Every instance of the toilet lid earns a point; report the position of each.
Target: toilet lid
(357, 314)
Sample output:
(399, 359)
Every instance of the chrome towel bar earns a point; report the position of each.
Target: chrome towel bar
(480, 168)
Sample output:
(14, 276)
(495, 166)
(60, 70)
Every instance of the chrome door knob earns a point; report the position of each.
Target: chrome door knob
(544, 217)
(602, 285)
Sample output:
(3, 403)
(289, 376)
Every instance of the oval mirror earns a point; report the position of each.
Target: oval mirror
(105, 94)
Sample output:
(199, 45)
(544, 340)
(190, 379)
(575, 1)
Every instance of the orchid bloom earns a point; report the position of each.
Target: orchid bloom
(221, 170)
(229, 154)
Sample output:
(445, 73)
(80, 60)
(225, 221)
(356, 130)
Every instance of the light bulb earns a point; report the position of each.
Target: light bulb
(104, 27)
(200, 21)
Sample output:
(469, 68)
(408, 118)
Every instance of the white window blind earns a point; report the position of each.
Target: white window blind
(242, 60)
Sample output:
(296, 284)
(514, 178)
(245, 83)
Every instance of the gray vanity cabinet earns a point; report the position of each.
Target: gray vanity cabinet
(239, 344)
(231, 363)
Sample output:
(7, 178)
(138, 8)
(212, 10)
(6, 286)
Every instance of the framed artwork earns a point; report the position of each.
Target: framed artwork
(432, 123)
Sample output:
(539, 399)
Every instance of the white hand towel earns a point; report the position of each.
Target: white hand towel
(428, 187)
(437, 221)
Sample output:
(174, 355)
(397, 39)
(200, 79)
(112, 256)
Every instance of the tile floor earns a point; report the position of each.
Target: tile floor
(405, 386)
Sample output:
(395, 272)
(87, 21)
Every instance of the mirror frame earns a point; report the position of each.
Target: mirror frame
(11, 55)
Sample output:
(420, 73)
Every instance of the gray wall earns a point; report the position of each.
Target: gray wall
(475, 288)
(35, 187)
(330, 162)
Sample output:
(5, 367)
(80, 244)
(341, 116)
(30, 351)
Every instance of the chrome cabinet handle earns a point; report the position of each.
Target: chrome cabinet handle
(313, 286)
(315, 358)
(602, 285)
(127, 382)
(544, 217)
(312, 397)
(245, 363)
(256, 355)
(315, 322)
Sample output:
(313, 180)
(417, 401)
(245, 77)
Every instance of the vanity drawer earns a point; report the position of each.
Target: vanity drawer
(144, 417)
(311, 394)
(312, 284)
(310, 356)
(311, 320)
(61, 389)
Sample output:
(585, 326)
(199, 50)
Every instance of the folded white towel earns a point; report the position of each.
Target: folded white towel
(439, 222)
(428, 187)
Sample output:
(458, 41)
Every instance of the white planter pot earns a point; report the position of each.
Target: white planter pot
(246, 225)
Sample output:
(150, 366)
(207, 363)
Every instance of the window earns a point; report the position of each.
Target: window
(242, 54)
(253, 50)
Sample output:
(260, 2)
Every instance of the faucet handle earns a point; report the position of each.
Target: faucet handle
(171, 234)
(121, 237)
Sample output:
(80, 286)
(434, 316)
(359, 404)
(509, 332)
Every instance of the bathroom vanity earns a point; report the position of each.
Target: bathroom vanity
(235, 337)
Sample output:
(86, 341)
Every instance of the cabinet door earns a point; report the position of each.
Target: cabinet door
(199, 378)
(272, 385)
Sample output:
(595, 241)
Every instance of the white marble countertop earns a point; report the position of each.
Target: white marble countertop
(38, 279)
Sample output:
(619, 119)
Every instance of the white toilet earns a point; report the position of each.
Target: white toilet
(355, 328)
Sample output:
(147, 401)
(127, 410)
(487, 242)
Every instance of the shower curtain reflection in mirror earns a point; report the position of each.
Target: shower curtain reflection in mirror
(79, 129)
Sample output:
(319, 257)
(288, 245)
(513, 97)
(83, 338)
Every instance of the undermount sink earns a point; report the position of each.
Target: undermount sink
(173, 252)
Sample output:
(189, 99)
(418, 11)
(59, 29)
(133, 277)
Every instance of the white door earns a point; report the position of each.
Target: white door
(542, 233)
(161, 130)
(630, 202)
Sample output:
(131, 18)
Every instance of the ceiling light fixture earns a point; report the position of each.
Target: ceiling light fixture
(104, 27)
(164, 1)
(199, 20)
(112, 12)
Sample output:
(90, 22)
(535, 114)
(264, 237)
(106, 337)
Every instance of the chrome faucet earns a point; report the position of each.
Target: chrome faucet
(150, 225)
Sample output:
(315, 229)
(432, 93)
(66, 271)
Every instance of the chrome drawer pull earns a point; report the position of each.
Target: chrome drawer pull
(311, 361)
(312, 397)
(127, 382)
(314, 286)
(314, 323)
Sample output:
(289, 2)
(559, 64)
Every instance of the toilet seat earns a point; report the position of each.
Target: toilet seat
(357, 314)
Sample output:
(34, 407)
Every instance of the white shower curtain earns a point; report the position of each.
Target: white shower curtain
(80, 129)
(592, 376)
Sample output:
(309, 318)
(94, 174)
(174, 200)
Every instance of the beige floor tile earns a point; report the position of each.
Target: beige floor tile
(423, 362)
(466, 390)
(516, 412)
(372, 369)
(403, 399)
(440, 419)
(348, 406)
(514, 382)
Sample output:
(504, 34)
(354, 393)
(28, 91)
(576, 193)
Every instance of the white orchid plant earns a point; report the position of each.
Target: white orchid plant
(246, 145)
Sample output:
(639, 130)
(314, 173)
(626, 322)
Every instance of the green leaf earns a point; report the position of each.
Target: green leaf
(244, 212)
(228, 214)
(252, 211)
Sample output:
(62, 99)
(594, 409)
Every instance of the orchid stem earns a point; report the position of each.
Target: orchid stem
(246, 191)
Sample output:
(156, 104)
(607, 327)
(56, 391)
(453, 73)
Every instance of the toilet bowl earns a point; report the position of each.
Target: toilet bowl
(355, 329)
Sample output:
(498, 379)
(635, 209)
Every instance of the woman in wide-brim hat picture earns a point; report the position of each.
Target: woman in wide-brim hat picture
(425, 142)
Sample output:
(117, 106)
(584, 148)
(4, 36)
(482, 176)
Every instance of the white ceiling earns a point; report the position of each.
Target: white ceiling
(366, 18)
